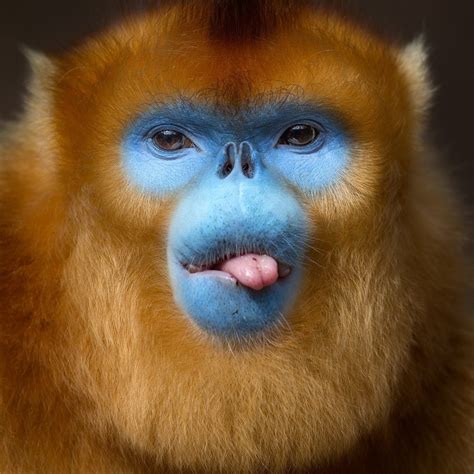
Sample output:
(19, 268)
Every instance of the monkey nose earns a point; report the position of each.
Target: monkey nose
(240, 157)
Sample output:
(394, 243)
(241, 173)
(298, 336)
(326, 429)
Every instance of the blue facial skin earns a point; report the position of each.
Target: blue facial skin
(223, 213)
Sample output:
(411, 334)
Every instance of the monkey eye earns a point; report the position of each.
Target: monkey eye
(171, 140)
(299, 135)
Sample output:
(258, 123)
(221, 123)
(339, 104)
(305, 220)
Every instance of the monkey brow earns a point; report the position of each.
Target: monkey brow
(231, 98)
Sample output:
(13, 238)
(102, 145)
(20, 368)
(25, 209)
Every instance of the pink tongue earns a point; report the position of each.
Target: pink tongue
(254, 271)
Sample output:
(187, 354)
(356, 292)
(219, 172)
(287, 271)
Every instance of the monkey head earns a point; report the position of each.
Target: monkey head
(232, 203)
(237, 152)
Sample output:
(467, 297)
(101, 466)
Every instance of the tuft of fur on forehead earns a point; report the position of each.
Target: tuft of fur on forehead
(244, 21)
(240, 20)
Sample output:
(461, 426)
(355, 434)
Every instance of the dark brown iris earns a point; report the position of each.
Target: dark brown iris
(171, 140)
(299, 135)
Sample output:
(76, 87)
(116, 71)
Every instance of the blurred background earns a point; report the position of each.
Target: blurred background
(47, 25)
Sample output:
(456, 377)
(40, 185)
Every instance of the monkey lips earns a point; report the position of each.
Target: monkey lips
(251, 270)
(235, 255)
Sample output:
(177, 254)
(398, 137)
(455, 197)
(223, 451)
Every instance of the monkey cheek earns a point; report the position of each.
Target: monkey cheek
(220, 306)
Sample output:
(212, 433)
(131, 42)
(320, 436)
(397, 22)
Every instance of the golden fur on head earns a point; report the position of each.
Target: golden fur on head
(100, 370)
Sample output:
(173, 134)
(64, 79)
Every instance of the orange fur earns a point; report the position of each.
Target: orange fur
(101, 372)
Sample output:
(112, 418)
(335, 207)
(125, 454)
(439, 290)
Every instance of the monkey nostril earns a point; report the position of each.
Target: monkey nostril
(227, 168)
(247, 170)
(246, 160)
(229, 163)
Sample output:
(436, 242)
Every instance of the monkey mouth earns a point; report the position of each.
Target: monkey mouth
(251, 270)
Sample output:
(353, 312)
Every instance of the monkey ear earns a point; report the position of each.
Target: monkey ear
(37, 116)
(41, 77)
(413, 59)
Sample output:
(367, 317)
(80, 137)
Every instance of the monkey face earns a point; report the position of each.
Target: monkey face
(238, 234)
(230, 167)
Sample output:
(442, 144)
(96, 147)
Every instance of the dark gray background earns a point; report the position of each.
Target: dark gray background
(447, 25)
